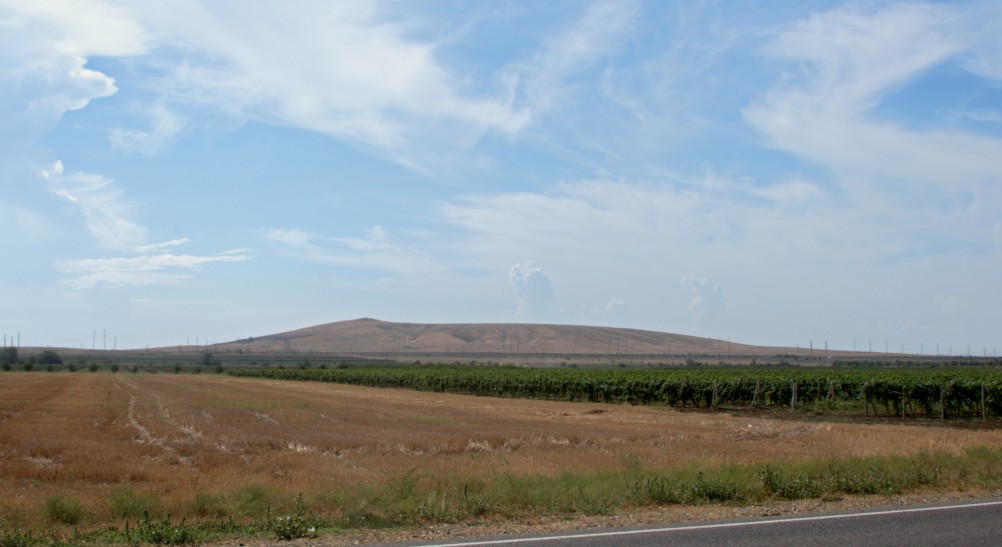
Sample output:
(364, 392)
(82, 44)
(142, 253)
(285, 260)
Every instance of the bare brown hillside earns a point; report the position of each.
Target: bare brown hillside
(374, 336)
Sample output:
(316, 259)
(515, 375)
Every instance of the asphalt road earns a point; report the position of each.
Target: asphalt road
(973, 523)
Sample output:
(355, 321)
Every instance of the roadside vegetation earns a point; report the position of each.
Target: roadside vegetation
(415, 499)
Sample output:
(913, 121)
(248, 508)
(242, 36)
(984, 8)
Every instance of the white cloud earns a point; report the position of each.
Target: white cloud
(848, 61)
(44, 50)
(160, 269)
(105, 213)
(794, 192)
(377, 250)
(163, 245)
(164, 126)
(953, 304)
(350, 70)
(609, 308)
(600, 31)
(706, 297)
(79, 27)
(533, 291)
(292, 237)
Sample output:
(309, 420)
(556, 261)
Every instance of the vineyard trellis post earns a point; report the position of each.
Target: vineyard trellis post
(793, 399)
(755, 401)
(984, 409)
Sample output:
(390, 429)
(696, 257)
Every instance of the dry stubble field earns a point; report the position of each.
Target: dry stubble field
(184, 439)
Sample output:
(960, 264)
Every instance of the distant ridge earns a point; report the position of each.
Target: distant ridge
(369, 336)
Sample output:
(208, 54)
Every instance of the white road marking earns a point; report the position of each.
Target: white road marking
(712, 526)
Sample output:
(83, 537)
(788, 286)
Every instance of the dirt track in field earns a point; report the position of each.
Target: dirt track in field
(175, 436)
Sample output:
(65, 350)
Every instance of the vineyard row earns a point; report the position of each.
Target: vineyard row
(926, 392)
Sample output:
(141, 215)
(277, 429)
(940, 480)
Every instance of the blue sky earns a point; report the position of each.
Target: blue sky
(771, 173)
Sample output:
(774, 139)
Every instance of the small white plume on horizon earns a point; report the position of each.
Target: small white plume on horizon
(533, 290)
(706, 296)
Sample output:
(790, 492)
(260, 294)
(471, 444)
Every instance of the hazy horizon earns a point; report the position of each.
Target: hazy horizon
(774, 174)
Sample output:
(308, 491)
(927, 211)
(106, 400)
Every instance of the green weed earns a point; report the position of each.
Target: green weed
(64, 510)
(160, 533)
(127, 504)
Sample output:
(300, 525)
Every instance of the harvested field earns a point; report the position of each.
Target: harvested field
(200, 446)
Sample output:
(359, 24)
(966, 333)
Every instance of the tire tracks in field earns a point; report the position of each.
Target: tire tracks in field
(145, 436)
(183, 434)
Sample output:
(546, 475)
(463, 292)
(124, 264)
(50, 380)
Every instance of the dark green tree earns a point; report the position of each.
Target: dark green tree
(8, 357)
(49, 357)
(208, 360)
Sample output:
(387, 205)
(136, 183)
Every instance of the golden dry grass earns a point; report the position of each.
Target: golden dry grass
(173, 437)
(498, 340)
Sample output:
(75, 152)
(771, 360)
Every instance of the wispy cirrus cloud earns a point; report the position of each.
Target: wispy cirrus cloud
(164, 126)
(105, 212)
(152, 247)
(565, 63)
(351, 70)
(844, 63)
(376, 250)
(139, 271)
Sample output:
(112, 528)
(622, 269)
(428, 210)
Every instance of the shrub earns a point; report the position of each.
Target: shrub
(127, 504)
(253, 500)
(64, 510)
(209, 505)
(49, 357)
(93, 367)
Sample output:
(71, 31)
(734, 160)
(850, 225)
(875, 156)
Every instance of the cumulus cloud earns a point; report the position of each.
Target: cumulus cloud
(705, 296)
(609, 308)
(533, 291)
(44, 48)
